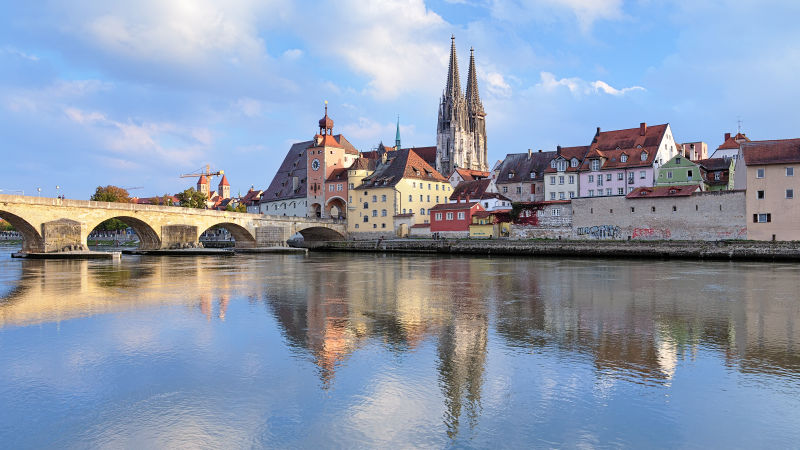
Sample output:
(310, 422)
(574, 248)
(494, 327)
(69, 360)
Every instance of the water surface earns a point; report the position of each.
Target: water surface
(337, 350)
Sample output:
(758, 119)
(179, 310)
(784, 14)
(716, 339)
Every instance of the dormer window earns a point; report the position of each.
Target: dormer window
(574, 162)
(533, 175)
(678, 160)
(644, 156)
(639, 146)
(595, 164)
(510, 175)
(623, 158)
(562, 165)
(553, 164)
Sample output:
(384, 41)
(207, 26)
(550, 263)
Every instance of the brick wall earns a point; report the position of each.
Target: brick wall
(708, 216)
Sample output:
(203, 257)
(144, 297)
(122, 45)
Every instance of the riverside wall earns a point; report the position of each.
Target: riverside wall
(697, 250)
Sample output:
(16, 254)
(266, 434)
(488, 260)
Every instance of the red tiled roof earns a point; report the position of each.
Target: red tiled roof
(455, 206)
(663, 191)
(202, 180)
(780, 151)
(224, 181)
(401, 164)
(426, 153)
(421, 225)
(470, 174)
(733, 142)
(568, 153)
(611, 145)
(339, 174)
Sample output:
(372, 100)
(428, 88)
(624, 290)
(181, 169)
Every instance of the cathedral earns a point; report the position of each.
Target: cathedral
(461, 130)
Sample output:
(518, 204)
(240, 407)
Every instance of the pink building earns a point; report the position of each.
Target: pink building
(621, 160)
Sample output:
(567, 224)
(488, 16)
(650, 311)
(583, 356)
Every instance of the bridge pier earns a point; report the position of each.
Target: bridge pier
(272, 236)
(62, 233)
(174, 235)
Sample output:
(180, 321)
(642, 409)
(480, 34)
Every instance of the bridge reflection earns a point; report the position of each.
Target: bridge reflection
(633, 322)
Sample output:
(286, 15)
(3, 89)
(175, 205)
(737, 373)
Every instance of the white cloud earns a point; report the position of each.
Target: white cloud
(370, 131)
(584, 12)
(248, 107)
(293, 53)
(579, 87)
(497, 85)
(19, 53)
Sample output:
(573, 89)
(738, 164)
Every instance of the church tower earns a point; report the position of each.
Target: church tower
(477, 119)
(453, 137)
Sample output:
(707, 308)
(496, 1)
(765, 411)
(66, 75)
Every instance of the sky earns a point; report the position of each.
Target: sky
(135, 94)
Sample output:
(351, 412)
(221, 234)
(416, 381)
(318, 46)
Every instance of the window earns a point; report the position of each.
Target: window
(374, 225)
(653, 209)
(356, 225)
(677, 160)
(383, 197)
(350, 199)
(669, 174)
(642, 174)
(374, 213)
(404, 210)
(339, 187)
(762, 218)
(331, 187)
(599, 180)
(562, 165)
(689, 174)
(760, 173)
(760, 195)
(620, 176)
(429, 186)
(555, 212)
(461, 215)
(383, 213)
(608, 191)
(674, 208)
(608, 177)
(437, 187)
(632, 209)
(561, 196)
(366, 219)
(413, 184)
(410, 198)
(623, 158)
(591, 192)
(366, 205)
(352, 186)
(437, 199)
(519, 189)
(420, 198)
(553, 164)
(533, 175)
(620, 191)
(552, 196)
(716, 176)
(790, 171)
(438, 216)
(486, 205)
(561, 180)
(552, 180)
(383, 225)
(630, 177)
(591, 178)
(595, 165)
(644, 156)
(449, 216)
(572, 179)
(422, 211)
(428, 198)
(510, 175)
(574, 162)
(374, 198)
(505, 189)
(790, 193)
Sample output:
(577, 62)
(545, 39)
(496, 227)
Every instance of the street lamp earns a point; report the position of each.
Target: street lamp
(38, 191)
(57, 191)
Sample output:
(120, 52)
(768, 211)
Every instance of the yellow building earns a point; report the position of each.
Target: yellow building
(401, 184)
(773, 178)
(488, 224)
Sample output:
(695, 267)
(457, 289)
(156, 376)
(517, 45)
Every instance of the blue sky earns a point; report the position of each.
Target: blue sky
(136, 93)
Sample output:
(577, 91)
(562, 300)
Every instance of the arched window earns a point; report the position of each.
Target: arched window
(644, 156)
(422, 211)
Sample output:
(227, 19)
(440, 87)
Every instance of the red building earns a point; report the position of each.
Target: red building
(453, 217)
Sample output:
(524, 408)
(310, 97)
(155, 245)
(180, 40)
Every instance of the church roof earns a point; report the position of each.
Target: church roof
(473, 96)
(224, 181)
(453, 88)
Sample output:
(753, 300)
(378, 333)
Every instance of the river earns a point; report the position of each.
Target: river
(372, 350)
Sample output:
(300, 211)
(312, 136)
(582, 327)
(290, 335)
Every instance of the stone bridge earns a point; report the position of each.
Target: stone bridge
(51, 224)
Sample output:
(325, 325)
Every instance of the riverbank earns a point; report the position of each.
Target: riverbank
(719, 250)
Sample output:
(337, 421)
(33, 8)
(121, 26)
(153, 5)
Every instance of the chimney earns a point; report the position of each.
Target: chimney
(598, 131)
(540, 150)
(529, 153)
(642, 129)
(558, 150)
(727, 136)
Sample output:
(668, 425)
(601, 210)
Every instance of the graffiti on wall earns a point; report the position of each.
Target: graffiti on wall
(652, 233)
(600, 232)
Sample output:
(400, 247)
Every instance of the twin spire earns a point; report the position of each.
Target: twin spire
(453, 88)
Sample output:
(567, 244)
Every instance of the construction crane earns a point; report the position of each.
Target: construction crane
(208, 173)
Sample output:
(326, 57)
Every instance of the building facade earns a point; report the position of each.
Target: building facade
(718, 173)
(679, 171)
(730, 146)
(561, 180)
(461, 127)
(453, 219)
(520, 176)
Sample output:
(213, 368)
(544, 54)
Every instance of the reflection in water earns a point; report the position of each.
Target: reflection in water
(459, 350)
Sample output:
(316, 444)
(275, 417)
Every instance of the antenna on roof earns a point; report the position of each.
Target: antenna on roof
(739, 123)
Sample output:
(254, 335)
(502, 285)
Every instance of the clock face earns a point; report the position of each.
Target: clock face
(315, 164)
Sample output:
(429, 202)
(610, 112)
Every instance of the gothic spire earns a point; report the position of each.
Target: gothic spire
(473, 97)
(453, 80)
(397, 135)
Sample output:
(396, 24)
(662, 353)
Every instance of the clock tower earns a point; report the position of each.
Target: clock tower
(324, 156)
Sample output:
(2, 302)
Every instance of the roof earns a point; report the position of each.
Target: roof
(780, 151)
(732, 142)
(611, 145)
(568, 153)
(224, 181)
(714, 163)
(663, 191)
(400, 164)
(294, 165)
(404, 215)
(475, 189)
(252, 196)
(455, 206)
(202, 180)
(426, 153)
(338, 174)
(470, 174)
(363, 163)
(520, 166)
(421, 225)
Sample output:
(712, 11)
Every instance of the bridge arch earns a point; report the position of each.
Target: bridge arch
(32, 241)
(320, 233)
(242, 237)
(336, 208)
(149, 238)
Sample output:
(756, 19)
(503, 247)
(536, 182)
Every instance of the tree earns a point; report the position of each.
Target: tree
(192, 199)
(112, 194)
(5, 226)
(241, 207)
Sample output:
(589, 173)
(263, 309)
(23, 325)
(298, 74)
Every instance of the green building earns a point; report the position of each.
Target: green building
(679, 171)
(717, 173)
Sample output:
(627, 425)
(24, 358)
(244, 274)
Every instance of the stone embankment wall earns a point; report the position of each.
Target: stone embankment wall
(704, 216)
(721, 250)
(552, 222)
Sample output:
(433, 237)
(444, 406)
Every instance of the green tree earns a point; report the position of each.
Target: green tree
(5, 226)
(112, 194)
(241, 207)
(192, 199)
